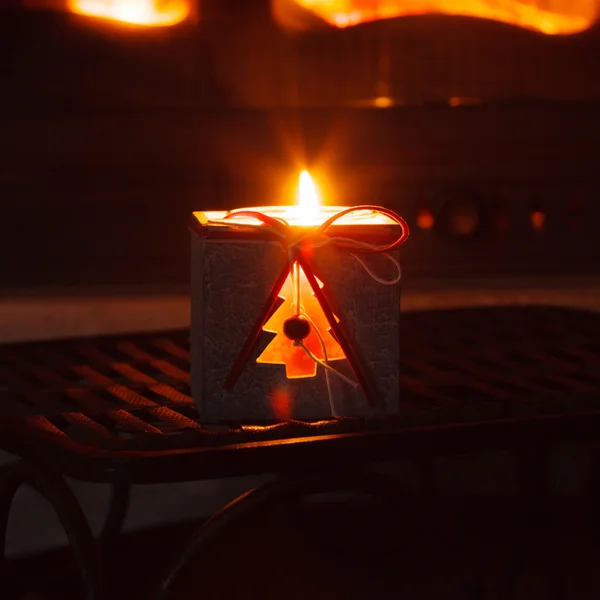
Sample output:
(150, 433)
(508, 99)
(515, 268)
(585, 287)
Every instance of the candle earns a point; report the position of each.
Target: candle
(284, 306)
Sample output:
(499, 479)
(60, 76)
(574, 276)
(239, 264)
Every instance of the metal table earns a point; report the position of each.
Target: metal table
(118, 410)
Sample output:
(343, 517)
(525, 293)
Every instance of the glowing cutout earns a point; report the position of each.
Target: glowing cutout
(281, 350)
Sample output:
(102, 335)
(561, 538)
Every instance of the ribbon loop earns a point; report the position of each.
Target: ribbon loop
(318, 237)
(382, 210)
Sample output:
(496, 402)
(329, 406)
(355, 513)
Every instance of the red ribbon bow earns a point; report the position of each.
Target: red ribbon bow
(299, 246)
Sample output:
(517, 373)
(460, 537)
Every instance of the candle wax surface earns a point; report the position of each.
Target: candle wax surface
(297, 216)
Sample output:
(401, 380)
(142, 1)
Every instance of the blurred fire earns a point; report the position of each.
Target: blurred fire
(564, 16)
(138, 12)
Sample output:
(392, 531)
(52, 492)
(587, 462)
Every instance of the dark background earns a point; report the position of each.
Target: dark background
(111, 135)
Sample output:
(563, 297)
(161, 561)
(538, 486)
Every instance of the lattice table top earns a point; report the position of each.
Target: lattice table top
(131, 392)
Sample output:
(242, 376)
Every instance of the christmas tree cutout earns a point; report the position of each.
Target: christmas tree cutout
(281, 350)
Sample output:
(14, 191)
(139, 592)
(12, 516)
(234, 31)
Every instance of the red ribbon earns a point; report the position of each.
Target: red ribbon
(299, 248)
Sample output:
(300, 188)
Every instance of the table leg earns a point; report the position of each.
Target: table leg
(285, 488)
(533, 519)
(54, 489)
(115, 518)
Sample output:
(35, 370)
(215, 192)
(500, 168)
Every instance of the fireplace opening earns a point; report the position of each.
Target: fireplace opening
(557, 17)
(145, 12)
(148, 13)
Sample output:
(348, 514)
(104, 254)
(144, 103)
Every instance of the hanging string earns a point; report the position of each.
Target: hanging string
(350, 243)
(382, 210)
(325, 364)
(296, 279)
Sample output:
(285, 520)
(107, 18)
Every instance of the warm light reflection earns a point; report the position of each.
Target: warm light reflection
(555, 17)
(425, 219)
(281, 350)
(538, 218)
(291, 215)
(456, 101)
(138, 12)
(383, 102)
(281, 404)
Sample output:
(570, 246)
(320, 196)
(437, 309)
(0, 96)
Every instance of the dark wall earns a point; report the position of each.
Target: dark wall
(111, 136)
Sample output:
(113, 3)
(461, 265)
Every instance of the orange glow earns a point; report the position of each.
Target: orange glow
(295, 216)
(383, 102)
(564, 16)
(425, 219)
(138, 12)
(538, 218)
(456, 101)
(281, 350)
(281, 403)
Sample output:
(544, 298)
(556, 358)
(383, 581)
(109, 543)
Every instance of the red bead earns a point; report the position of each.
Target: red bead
(296, 328)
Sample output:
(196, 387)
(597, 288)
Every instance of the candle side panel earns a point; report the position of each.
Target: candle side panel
(369, 314)
(228, 300)
(197, 318)
(231, 281)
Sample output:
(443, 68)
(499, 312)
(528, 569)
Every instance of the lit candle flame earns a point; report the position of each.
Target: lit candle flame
(308, 198)
(306, 212)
